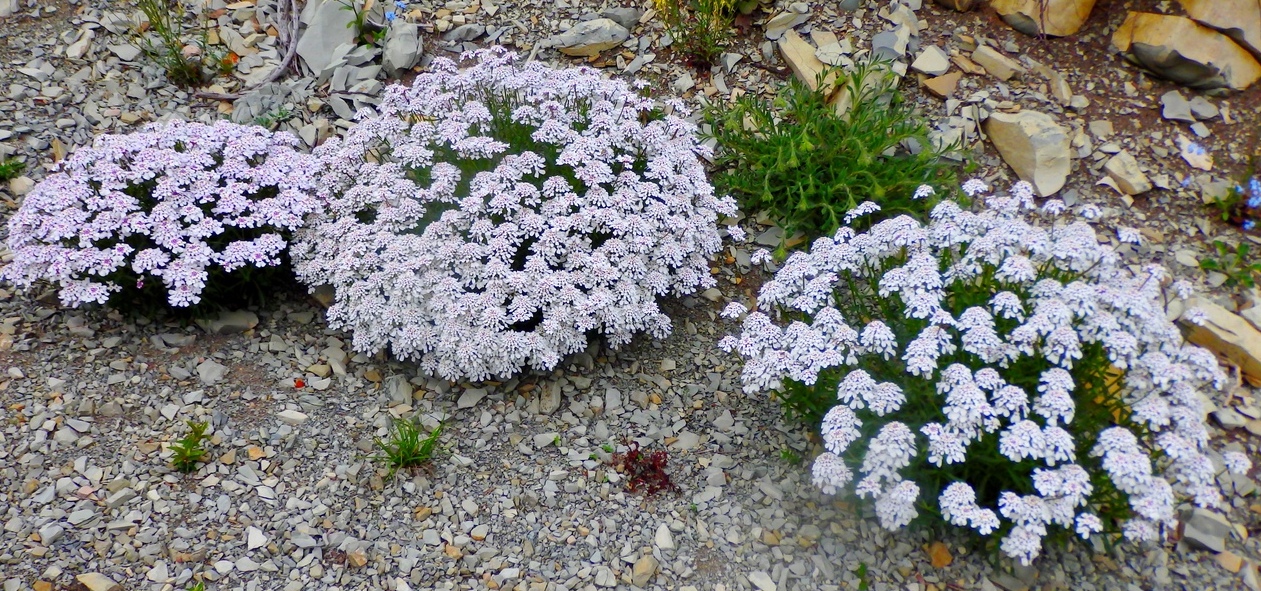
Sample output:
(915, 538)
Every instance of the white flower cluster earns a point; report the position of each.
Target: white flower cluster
(172, 201)
(492, 218)
(1054, 292)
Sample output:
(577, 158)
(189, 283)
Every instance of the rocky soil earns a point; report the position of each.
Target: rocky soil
(523, 496)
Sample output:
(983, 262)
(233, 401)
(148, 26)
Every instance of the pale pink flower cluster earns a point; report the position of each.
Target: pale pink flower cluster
(169, 202)
(914, 267)
(494, 218)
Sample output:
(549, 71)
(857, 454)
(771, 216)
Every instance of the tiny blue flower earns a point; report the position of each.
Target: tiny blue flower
(389, 16)
(401, 5)
(1254, 186)
(1254, 200)
(1249, 224)
(1195, 149)
(1186, 181)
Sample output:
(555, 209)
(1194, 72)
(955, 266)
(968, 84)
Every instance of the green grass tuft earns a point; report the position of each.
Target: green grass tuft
(806, 165)
(188, 451)
(11, 168)
(407, 446)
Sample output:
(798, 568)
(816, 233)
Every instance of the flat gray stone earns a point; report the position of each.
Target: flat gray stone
(589, 38)
(1175, 107)
(326, 29)
(470, 397)
(467, 32)
(933, 61)
(211, 371)
(402, 47)
(627, 17)
(1206, 529)
(398, 389)
(292, 417)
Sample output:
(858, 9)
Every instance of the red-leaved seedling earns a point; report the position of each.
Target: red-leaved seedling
(644, 470)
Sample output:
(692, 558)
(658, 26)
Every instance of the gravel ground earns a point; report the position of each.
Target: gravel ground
(522, 496)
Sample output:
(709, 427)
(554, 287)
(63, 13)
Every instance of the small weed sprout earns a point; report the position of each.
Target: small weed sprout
(11, 168)
(367, 31)
(183, 68)
(644, 470)
(861, 571)
(789, 456)
(273, 118)
(198, 586)
(407, 446)
(1235, 263)
(700, 28)
(188, 451)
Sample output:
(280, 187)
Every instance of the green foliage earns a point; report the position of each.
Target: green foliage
(365, 31)
(700, 28)
(11, 168)
(273, 118)
(861, 571)
(789, 456)
(166, 20)
(188, 451)
(1235, 263)
(806, 165)
(199, 586)
(407, 446)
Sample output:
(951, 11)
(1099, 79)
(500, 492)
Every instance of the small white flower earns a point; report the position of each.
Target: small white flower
(1022, 441)
(840, 428)
(864, 208)
(1236, 462)
(896, 507)
(830, 473)
(1196, 316)
(734, 310)
(974, 187)
(1088, 524)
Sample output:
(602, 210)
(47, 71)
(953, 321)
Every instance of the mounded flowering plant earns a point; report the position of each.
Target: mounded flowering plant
(492, 218)
(172, 211)
(1000, 370)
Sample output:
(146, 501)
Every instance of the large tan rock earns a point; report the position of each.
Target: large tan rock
(1034, 145)
(1227, 335)
(1238, 19)
(1177, 48)
(1044, 17)
(801, 59)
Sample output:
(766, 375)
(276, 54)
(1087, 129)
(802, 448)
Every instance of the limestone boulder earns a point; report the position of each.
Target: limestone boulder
(1238, 19)
(1177, 48)
(1227, 335)
(1044, 17)
(589, 38)
(1034, 146)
